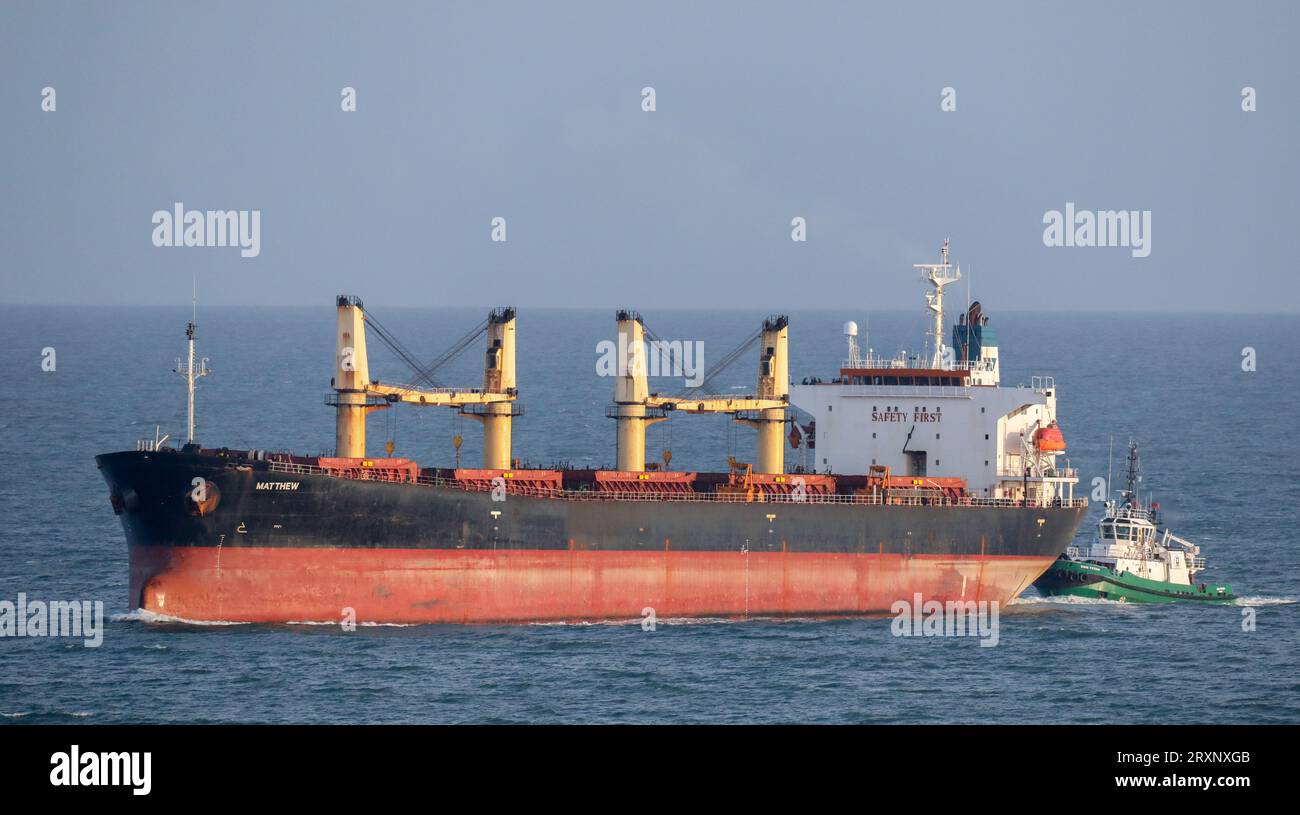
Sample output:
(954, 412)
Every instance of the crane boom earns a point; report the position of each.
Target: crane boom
(357, 394)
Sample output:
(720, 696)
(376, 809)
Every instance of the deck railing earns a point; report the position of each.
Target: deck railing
(1066, 473)
(379, 474)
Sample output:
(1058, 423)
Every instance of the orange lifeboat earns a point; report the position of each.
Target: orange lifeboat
(1049, 439)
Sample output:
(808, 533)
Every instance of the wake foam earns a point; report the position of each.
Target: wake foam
(1065, 600)
(141, 615)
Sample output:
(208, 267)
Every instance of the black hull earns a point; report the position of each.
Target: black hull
(324, 511)
(270, 546)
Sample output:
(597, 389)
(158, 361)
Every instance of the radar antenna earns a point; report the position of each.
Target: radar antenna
(1133, 476)
(851, 336)
(938, 275)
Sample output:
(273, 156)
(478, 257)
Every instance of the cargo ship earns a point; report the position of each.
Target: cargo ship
(920, 475)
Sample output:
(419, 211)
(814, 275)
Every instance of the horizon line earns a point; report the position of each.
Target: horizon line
(726, 308)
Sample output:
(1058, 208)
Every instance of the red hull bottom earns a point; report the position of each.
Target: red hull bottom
(461, 586)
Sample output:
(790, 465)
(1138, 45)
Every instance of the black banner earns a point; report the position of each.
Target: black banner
(210, 764)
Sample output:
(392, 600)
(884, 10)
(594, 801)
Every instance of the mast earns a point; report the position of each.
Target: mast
(1132, 477)
(938, 275)
(188, 370)
(1110, 467)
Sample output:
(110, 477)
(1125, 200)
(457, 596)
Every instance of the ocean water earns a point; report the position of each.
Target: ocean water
(1220, 452)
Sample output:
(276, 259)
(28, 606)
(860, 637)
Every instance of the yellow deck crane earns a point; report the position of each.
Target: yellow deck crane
(356, 394)
(635, 407)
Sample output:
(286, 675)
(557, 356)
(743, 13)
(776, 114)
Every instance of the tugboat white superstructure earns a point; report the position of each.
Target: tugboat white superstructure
(1128, 560)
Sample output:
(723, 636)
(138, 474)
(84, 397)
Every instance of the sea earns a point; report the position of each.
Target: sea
(1211, 399)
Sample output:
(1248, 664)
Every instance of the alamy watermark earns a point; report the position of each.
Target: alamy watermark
(1128, 228)
(953, 618)
(58, 618)
(215, 227)
(75, 768)
(679, 358)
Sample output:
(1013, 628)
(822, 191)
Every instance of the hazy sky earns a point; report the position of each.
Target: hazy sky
(765, 111)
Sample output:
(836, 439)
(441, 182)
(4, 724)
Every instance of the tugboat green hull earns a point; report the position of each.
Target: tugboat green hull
(1078, 579)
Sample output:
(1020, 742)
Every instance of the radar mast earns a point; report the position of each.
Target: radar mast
(937, 275)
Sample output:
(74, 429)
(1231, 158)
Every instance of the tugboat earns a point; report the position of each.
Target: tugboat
(1128, 561)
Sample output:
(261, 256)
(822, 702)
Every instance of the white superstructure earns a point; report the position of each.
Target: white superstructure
(940, 416)
(1129, 541)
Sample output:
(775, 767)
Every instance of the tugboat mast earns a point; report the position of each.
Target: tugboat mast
(1132, 477)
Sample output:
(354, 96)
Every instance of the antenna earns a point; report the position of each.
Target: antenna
(1132, 476)
(851, 334)
(1110, 466)
(938, 275)
(188, 370)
